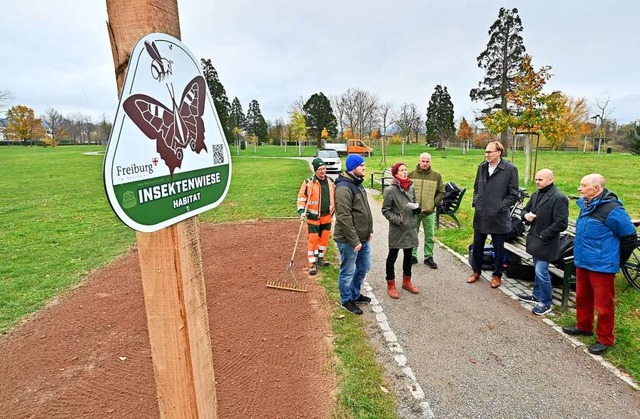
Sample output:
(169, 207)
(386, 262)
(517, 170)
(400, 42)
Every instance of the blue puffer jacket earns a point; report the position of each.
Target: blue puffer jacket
(597, 243)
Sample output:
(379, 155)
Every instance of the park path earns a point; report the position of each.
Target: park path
(467, 350)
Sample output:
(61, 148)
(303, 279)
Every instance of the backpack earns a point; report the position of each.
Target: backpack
(517, 229)
(565, 248)
(451, 191)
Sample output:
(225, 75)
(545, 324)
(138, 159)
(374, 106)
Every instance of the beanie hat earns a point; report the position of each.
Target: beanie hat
(317, 163)
(353, 161)
(396, 167)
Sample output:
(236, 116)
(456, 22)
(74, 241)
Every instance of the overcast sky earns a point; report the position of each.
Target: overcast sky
(56, 53)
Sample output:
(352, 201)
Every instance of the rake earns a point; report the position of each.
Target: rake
(281, 283)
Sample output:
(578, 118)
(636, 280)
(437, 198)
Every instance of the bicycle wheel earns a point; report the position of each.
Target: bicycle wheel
(631, 269)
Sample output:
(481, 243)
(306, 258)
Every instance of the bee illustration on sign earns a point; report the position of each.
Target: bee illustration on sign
(160, 67)
(175, 128)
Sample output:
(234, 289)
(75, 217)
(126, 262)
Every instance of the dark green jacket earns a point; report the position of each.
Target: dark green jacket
(354, 222)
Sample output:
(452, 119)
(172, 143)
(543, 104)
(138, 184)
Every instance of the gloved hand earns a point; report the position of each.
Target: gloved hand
(302, 214)
(417, 211)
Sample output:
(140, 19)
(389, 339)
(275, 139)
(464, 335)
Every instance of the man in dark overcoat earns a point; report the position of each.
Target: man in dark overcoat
(547, 213)
(495, 190)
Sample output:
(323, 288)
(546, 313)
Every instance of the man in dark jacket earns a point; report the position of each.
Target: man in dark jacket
(605, 238)
(495, 190)
(352, 233)
(547, 212)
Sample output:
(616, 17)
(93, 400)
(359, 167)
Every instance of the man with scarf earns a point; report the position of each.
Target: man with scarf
(400, 208)
(353, 233)
(316, 204)
(547, 212)
(429, 193)
(605, 238)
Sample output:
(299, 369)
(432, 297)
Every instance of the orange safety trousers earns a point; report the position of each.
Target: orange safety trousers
(318, 238)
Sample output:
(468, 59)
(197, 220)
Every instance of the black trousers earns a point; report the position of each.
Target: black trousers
(497, 240)
(391, 261)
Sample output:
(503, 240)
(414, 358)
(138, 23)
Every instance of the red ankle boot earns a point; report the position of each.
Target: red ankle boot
(391, 289)
(406, 284)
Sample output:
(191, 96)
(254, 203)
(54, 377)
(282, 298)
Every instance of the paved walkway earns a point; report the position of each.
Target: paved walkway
(467, 350)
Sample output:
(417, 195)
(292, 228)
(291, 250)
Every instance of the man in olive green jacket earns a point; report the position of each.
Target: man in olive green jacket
(429, 193)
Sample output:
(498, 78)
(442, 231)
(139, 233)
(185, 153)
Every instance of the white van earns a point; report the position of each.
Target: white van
(331, 159)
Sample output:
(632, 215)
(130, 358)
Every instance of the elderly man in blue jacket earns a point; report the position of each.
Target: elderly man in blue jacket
(605, 238)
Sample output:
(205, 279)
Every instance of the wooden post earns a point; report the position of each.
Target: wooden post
(170, 259)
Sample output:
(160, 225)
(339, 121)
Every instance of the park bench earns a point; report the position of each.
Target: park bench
(567, 148)
(544, 148)
(381, 178)
(449, 206)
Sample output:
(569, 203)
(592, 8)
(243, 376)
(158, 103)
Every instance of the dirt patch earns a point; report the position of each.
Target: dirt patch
(87, 355)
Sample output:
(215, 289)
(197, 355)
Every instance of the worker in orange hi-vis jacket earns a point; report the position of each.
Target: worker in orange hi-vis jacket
(316, 202)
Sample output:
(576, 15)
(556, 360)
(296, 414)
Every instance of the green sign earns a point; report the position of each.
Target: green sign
(167, 158)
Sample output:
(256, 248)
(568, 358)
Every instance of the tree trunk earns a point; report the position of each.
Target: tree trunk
(170, 259)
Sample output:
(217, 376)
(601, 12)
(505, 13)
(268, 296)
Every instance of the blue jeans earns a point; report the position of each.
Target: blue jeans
(353, 268)
(542, 282)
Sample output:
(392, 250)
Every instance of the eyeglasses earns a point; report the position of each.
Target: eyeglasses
(490, 151)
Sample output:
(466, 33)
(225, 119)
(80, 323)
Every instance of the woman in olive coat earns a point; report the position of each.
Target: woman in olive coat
(400, 208)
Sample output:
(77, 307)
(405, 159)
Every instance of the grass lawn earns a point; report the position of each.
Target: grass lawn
(56, 225)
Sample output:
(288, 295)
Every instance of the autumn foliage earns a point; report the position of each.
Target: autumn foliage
(23, 125)
(465, 132)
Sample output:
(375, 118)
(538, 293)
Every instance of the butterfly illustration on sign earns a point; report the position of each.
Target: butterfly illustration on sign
(175, 128)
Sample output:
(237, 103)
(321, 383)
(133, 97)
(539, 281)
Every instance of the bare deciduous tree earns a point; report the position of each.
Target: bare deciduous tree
(54, 122)
(339, 114)
(79, 127)
(358, 110)
(5, 97)
(387, 117)
(409, 121)
(103, 130)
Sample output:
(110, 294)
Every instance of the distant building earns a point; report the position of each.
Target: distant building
(3, 124)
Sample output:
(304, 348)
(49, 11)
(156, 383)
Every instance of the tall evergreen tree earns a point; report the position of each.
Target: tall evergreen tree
(502, 62)
(634, 140)
(219, 95)
(236, 115)
(256, 125)
(319, 115)
(440, 125)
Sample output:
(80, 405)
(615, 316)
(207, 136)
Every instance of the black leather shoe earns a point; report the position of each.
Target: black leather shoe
(598, 348)
(574, 331)
(362, 299)
(431, 263)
